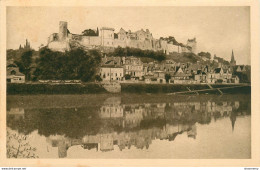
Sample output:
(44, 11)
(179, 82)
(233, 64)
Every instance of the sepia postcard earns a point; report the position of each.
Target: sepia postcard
(130, 83)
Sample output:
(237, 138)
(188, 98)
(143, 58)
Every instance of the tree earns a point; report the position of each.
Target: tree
(17, 146)
(167, 77)
(71, 65)
(127, 77)
(24, 63)
(204, 54)
(98, 78)
(89, 32)
(157, 55)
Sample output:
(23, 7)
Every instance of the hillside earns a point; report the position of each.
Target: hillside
(184, 57)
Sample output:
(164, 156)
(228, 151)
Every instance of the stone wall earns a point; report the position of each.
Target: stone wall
(59, 46)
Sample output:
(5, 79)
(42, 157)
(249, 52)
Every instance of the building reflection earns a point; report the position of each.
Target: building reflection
(125, 125)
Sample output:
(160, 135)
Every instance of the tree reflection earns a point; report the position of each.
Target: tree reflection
(17, 146)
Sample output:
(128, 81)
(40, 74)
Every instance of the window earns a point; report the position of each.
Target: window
(116, 74)
(107, 74)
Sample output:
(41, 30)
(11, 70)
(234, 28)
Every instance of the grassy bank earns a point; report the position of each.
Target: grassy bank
(92, 88)
(172, 88)
(54, 88)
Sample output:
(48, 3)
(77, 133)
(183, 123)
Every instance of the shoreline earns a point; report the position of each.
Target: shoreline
(138, 88)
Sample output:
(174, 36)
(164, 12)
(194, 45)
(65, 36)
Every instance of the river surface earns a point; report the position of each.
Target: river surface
(129, 126)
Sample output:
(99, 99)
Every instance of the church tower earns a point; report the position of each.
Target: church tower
(232, 61)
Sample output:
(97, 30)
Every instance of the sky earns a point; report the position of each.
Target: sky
(218, 30)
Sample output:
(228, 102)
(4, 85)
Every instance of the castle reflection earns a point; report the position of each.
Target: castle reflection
(123, 125)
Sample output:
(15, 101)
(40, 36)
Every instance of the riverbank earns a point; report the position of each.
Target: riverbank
(93, 88)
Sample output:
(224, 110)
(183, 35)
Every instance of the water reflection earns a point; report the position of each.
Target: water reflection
(117, 123)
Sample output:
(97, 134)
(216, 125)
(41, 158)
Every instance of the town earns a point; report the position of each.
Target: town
(153, 61)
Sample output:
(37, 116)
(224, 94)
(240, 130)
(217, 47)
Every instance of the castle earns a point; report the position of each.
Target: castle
(107, 38)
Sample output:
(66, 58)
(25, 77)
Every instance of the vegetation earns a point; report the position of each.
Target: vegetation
(167, 77)
(156, 55)
(24, 63)
(243, 77)
(17, 146)
(171, 88)
(90, 32)
(221, 60)
(127, 77)
(171, 40)
(76, 64)
(204, 54)
(54, 88)
(184, 57)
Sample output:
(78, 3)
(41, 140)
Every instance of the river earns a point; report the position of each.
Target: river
(129, 126)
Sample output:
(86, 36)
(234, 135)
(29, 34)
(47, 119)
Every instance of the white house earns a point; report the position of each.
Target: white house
(112, 73)
(14, 75)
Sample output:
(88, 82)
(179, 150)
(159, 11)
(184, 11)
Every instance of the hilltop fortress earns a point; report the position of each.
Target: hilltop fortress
(107, 38)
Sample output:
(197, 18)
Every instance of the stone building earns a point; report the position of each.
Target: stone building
(112, 73)
(193, 44)
(134, 67)
(142, 39)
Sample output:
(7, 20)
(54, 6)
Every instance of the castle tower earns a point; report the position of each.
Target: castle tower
(232, 61)
(193, 44)
(107, 36)
(63, 30)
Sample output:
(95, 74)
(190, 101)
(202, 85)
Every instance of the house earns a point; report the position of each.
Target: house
(193, 68)
(200, 77)
(134, 67)
(211, 78)
(112, 73)
(14, 75)
(240, 68)
(226, 76)
(168, 66)
(220, 75)
(157, 77)
(179, 77)
(235, 79)
(160, 76)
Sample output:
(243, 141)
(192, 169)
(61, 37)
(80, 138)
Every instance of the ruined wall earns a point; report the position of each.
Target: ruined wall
(61, 46)
(90, 41)
(172, 48)
(144, 45)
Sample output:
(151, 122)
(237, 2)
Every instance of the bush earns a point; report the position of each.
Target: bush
(156, 55)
